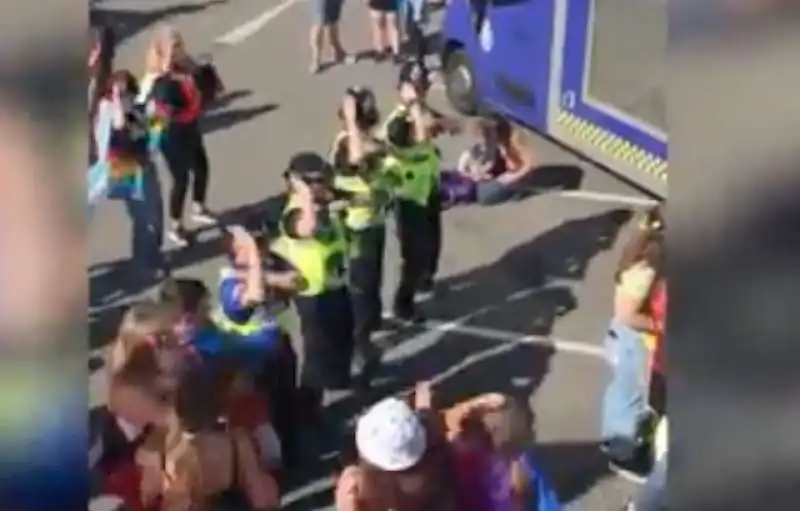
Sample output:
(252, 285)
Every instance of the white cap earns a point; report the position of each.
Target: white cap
(390, 436)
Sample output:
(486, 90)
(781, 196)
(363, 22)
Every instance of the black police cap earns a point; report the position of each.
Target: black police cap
(307, 163)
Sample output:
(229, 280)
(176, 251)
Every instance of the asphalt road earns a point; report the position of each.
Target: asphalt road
(524, 288)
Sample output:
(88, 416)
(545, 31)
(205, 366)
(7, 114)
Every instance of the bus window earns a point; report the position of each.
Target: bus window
(627, 69)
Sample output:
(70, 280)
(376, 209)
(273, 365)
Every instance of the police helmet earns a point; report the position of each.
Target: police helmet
(310, 167)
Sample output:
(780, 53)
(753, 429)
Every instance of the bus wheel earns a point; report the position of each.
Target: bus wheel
(459, 83)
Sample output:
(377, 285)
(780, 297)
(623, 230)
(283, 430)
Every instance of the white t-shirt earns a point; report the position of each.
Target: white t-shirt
(146, 86)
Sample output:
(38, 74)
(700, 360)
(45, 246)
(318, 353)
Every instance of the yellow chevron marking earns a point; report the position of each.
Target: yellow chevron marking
(614, 146)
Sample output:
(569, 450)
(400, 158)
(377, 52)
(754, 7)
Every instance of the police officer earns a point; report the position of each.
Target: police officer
(312, 250)
(359, 161)
(409, 130)
(258, 322)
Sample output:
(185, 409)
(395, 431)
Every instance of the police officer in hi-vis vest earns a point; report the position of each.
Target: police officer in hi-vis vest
(409, 130)
(359, 160)
(312, 245)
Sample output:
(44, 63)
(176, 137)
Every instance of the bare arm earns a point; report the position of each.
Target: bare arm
(631, 294)
(421, 127)
(306, 219)
(289, 280)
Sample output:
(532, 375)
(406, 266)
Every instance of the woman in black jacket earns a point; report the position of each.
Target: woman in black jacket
(178, 98)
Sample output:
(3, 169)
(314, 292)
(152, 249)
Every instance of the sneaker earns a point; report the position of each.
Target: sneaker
(202, 216)
(634, 468)
(315, 68)
(407, 319)
(177, 235)
(628, 470)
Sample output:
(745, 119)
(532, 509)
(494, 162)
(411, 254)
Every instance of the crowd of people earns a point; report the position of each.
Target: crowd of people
(392, 22)
(220, 390)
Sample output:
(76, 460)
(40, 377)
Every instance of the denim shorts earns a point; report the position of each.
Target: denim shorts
(327, 12)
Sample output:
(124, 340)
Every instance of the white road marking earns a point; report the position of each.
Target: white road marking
(505, 336)
(604, 197)
(434, 331)
(251, 27)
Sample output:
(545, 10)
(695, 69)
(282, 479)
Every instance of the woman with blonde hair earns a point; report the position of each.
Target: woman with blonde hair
(624, 416)
(145, 322)
(178, 99)
(187, 455)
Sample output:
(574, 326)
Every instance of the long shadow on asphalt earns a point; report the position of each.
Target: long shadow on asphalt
(534, 275)
(219, 121)
(526, 290)
(110, 289)
(128, 23)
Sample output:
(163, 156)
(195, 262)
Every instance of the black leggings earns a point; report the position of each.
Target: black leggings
(417, 45)
(185, 154)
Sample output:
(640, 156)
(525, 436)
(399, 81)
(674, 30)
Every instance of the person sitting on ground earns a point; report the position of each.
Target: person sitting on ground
(493, 169)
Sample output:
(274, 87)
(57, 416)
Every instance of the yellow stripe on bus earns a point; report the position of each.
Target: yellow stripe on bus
(612, 145)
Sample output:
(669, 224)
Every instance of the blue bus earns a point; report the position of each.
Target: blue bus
(588, 73)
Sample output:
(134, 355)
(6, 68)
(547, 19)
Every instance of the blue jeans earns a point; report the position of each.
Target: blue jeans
(147, 222)
(624, 403)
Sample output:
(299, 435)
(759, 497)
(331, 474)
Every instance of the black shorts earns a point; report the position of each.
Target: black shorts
(383, 6)
(327, 12)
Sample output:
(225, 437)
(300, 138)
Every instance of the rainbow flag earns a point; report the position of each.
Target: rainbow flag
(125, 177)
(156, 126)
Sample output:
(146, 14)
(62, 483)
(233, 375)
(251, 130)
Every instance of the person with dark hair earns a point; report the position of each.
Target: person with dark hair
(122, 136)
(312, 251)
(409, 131)
(360, 163)
(625, 417)
(493, 169)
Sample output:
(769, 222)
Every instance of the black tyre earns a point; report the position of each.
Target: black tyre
(459, 83)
